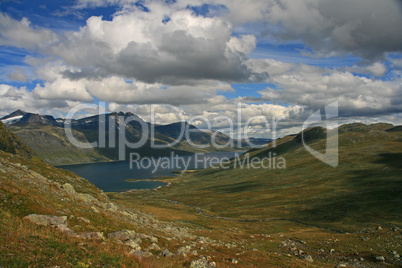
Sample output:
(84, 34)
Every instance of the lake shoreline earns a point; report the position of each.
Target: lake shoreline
(120, 176)
(136, 190)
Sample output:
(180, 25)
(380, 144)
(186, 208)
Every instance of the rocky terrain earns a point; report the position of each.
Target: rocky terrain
(50, 217)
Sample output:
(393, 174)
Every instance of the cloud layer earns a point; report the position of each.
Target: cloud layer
(155, 52)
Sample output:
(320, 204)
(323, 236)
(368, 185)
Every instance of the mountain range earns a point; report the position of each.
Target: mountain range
(308, 214)
(46, 136)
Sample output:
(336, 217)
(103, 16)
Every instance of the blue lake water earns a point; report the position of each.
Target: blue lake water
(112, 176)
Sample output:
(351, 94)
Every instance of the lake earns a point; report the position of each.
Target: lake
(112, 176)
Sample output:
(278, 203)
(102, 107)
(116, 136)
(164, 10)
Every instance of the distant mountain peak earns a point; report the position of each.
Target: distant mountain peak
(14, 114)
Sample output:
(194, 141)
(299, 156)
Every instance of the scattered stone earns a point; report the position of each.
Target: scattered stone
(234, 261)
(65, 229)
(379, 228)
(395, 229)
(95, 209)
(154, 239)
(47, 220)
(184, 249)
(123, 235)
(111, 207)
(201, 263)
(379, 258)
(133, 244)
(68, 188)
(166, 253)
(307, 258)
(87, 198)
(361, 259)
(342, 265)
(332, 250)
(84, 220)
(154, 246)
(92, 235)
(201, 239)
(181, 254)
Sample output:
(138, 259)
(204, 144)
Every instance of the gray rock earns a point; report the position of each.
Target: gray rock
(154, 246)
(83, 219)
(181, 254)
(133, 244)
(47, 220)
(200, 263)
(140, 254)
(307, 258)
(87, 198)
(68, 188)
(92, 235)
(65, 229)
(166, 253)
(154, 239)
(184, 249)
(122, 235)
(111, 207)
(379, 258)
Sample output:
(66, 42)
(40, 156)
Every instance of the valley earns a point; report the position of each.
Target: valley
(308, 214)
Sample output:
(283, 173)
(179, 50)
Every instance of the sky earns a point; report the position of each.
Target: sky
(275, 59)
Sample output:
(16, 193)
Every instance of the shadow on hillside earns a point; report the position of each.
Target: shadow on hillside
(373, 195)
(393, 160)
(236, 188)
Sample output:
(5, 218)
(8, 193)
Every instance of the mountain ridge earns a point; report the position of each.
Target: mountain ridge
(40, 131)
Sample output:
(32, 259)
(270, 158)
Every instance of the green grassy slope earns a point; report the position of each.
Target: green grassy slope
(365, 188)
(10, 143)
(51, 144)
(307, 215)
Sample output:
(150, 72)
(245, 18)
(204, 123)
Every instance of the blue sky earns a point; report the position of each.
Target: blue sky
(279, 58)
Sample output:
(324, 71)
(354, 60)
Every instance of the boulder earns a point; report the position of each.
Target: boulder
(184, 249)
(200, 263)
(380, 258)
(307, 258)
(47, 220)
(68, 188)
(133, 244)
(154, 246)
(122, 235)
(92, 235)
(166, 253)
